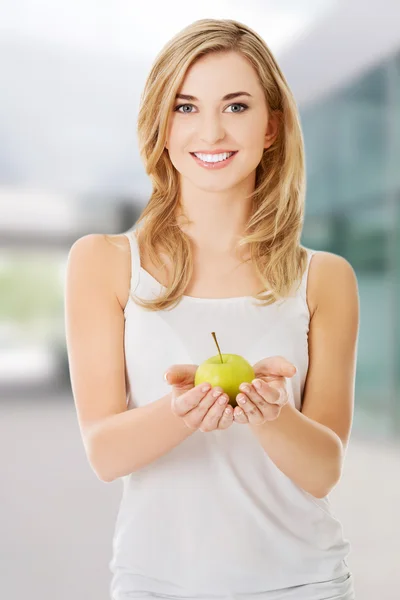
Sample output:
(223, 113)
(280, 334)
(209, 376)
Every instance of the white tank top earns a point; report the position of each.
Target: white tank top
(214, 518)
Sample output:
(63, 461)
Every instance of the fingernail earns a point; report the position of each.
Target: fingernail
(257, 384)
(166, 377)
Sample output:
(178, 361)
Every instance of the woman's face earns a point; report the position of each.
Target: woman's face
(206, 122)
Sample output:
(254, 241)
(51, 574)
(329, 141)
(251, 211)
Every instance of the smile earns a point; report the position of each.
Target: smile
(214, 161)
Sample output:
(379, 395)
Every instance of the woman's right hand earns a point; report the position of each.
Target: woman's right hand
(198, 409)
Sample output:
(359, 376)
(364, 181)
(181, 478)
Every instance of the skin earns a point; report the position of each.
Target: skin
(216, 200)
(308, 445)
(216, 203)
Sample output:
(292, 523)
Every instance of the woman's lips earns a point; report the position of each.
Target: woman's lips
(217, 165)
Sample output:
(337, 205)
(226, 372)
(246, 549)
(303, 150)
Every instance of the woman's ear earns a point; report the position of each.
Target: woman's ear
(272, 130)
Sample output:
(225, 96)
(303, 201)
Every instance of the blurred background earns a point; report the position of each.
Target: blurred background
(71, 76)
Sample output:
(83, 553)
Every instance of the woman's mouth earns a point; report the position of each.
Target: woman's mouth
(214, 161)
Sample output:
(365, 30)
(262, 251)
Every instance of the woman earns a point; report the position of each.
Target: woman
(221, 499)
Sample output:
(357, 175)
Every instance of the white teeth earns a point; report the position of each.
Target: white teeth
(213, 157)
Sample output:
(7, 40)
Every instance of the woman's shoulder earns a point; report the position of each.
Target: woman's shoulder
(95, 248)
(328, 264)
(107, 257)
(327, 271)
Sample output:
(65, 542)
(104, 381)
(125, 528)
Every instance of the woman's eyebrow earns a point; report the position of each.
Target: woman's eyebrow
(230, 96)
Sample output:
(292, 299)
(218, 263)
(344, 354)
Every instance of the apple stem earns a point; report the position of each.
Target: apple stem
(215, 340)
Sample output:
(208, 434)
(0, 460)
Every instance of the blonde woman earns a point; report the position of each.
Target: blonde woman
(221, 499)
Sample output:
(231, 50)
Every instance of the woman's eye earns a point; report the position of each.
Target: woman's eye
(176, 109)
(242, 106)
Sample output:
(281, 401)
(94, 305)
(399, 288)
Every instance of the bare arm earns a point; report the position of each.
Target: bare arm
(310, 446)
(128, 441)
(117, 441)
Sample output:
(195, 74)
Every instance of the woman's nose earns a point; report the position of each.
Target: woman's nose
(211, 130)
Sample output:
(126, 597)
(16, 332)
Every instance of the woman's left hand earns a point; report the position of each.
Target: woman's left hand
(265, 403)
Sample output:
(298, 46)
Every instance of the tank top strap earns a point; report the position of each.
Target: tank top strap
(304, 281)
(135, 258)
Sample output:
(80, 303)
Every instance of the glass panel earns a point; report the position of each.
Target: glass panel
(352, 209)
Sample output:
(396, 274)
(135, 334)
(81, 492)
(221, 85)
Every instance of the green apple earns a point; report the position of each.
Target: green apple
(225, 370)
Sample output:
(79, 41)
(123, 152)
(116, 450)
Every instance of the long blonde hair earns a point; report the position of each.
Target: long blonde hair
(275, 224)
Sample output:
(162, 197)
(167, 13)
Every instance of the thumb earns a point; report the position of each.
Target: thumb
(180, 375)
(275, 366)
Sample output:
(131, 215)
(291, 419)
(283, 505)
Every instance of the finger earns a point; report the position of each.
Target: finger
(252, 412)
(268, 410)
(196, 415)
(212, 417)
(239, 416)
(272, 392)
(185, 403)
(227, 418)
(282, 388)
(180, 375)
(276, 366)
